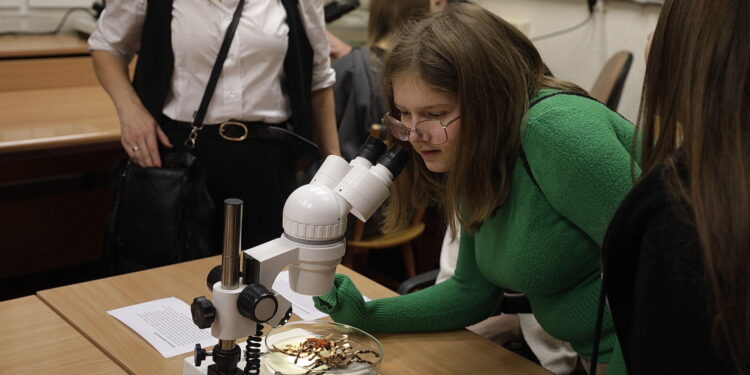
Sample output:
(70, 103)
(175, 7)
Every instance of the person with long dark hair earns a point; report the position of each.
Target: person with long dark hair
(677, 253)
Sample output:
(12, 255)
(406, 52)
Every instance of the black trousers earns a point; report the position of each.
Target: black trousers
(259, 172)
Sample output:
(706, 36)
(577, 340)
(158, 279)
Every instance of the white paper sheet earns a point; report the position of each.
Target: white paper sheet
(166, 324)
(302, 305)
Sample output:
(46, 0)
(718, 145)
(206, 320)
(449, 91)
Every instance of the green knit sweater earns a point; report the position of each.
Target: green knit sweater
(542, 243)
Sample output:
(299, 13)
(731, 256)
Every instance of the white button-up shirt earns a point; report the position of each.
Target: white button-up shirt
(249, 87)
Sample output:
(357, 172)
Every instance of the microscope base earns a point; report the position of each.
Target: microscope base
(212, 371)
(189, 368)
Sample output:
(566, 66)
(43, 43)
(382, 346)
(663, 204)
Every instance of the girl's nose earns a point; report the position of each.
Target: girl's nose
(414, 136)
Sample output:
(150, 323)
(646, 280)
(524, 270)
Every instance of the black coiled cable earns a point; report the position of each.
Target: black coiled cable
(252, 351)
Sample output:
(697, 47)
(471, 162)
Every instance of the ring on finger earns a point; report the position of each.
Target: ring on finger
(135, 148)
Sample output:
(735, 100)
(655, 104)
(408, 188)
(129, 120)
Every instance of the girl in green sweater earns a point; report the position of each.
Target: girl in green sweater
(471, 99)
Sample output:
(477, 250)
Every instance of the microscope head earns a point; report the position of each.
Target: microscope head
(317, 212)
(366, 189)
(315, 215)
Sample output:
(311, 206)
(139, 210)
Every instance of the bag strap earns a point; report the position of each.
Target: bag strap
(298, 71)
(521, 153)
(200, 115)
(598, 326)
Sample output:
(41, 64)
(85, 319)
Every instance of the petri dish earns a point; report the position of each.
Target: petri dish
(289, 349)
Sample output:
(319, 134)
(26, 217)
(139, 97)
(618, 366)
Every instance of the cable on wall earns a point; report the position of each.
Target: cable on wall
(563, 31)
(56, 30)
(590, 4)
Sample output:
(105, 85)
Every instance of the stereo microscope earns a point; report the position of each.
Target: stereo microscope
(312, 245)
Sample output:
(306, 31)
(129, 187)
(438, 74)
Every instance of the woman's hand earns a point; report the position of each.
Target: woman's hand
(138, 129)
(339, 48)
(138, 135)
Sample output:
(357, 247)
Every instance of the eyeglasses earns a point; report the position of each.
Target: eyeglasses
(431, 130)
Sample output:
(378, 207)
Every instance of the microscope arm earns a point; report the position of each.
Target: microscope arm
(308, 265)
(264, 262)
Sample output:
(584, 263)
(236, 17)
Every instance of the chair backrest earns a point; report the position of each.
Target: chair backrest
(611, 80)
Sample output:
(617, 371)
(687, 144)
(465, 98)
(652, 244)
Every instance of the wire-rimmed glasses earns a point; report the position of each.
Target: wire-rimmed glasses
(432, 131)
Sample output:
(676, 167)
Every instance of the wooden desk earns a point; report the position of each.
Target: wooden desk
(84, 306)
(49, 96)
(54, 118)
(38, 62)
(59, 146)
(24, 46)
(35, 340)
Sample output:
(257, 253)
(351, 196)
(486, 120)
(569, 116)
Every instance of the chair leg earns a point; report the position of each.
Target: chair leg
(408, 253)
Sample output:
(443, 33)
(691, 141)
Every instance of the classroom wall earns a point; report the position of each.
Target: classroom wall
(577, 56)
(41, 15)
(46, 3)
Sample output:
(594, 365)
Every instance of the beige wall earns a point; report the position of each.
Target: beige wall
(40, 15)
(46, 3)
(577, 56)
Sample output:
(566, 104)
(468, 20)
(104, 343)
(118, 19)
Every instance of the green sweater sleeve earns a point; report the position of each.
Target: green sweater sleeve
(580, 154)
(464, 299)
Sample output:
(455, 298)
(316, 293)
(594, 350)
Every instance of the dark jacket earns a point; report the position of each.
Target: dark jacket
(656, 287)
(357, 97)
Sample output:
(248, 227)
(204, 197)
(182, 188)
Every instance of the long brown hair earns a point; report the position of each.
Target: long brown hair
(493, 70)
(695, 120)
(388, 16)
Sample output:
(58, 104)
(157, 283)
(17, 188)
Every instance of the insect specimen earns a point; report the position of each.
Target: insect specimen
(333, 354)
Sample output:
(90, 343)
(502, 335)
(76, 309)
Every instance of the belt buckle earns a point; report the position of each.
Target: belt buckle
(223, 128)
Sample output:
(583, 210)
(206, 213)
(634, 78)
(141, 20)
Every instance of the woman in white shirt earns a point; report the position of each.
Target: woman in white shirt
(177, 43)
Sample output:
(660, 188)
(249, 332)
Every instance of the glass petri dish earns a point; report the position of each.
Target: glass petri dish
(291, 335)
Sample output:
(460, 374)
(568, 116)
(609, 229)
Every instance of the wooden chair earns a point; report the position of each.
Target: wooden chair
(611, 80)
(357, 244)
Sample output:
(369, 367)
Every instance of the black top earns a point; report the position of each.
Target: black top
(656, 287)
(356, 92)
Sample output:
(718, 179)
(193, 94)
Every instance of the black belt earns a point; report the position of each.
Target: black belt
(239, 131)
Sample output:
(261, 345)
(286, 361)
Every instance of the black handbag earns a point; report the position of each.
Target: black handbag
(160, 215)
(164, 215)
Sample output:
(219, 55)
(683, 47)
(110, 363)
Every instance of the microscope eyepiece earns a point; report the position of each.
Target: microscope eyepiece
(372, 149)
(394, 159)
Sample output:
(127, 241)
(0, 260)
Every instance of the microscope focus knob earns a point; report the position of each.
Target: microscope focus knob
(199, 355)
(257, 303)
(213, 277)
(203, 311)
